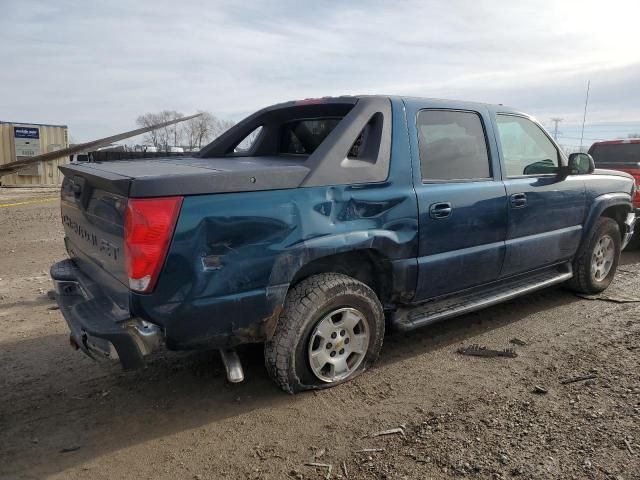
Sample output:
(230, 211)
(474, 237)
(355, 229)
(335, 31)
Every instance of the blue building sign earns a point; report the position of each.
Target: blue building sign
(27, 140)
(26, 132)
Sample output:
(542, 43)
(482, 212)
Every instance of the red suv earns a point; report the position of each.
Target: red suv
(623, 155)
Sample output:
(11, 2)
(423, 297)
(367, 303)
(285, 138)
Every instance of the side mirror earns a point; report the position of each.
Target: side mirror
(581, 164)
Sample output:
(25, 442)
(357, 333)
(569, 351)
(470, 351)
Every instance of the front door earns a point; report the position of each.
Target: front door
(461, 200)
(546, 211)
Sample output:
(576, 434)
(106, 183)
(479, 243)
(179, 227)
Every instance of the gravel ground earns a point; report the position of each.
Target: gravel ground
(62, 416)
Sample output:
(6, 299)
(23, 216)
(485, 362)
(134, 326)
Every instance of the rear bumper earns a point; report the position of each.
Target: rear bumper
(629, 228)
(99, 327)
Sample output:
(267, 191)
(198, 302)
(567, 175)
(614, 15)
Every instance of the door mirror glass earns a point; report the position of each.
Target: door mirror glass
(581, 164)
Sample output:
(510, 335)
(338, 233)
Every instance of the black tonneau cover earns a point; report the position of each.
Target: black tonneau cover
(156, 177)
(220, 168)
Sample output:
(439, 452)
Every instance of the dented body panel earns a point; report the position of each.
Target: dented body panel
(233, 256)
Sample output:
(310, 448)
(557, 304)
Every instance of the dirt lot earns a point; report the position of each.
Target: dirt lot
(62, 416)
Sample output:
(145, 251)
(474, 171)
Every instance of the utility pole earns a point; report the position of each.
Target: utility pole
(556, 121)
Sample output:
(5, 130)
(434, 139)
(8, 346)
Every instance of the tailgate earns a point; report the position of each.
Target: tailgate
(93, 218)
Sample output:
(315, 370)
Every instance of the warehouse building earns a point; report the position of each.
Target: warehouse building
(23, 140)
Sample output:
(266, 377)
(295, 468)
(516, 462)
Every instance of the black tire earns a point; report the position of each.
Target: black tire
(308, 304)
(584, 281)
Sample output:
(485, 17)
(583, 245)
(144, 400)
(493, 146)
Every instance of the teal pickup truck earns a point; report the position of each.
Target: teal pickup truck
(312, 226)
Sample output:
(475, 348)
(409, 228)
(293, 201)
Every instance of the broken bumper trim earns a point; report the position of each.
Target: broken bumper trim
(95, 328)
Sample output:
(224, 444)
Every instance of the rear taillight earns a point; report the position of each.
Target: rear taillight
(148, 228)
(636, 200)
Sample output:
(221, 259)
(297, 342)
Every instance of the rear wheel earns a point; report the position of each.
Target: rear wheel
(331, 330)
(596, 265)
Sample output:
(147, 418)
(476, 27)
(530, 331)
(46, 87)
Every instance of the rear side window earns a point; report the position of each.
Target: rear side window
(525, 147)
(302, 137)
(453, 146)
(625, 153)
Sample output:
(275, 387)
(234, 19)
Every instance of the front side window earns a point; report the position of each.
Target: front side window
(526, 149)
(452, 146)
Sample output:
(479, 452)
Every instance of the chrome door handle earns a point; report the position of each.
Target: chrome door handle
(441, 210)
(518, 200)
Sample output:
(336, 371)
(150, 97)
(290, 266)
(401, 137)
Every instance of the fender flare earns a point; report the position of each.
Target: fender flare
(598, 206)
(288, 263)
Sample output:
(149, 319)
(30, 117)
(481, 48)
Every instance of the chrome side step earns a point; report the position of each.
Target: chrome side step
(232, 365)
(476, 299)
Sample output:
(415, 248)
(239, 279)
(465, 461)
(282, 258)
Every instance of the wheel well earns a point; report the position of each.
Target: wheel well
(617, 213)
(367, 266)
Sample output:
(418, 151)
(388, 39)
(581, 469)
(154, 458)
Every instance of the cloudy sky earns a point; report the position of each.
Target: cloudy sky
(96, 67)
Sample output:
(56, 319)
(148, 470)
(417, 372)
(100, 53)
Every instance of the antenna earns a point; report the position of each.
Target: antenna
(556, 121)
(584, 117)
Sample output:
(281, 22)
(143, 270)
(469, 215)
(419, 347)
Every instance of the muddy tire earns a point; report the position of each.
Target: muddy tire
(330, 330)
(596, 264)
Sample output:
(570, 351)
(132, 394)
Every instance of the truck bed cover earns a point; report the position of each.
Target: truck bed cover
(190, 175)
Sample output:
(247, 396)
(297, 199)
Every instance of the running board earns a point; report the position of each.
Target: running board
(476, 299)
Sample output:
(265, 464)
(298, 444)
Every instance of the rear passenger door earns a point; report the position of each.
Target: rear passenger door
(546, 211)
(461, 199)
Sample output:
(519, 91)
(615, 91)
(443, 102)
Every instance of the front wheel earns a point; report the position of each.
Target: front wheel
(596, 265)
(331, 330)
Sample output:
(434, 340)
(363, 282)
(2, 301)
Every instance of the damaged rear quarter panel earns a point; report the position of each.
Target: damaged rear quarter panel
(228, 271)
(234, 255)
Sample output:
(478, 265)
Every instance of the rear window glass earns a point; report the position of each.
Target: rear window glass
(616, 153)
(302, 137)
(452, 146)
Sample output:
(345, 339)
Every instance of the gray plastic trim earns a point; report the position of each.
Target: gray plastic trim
(330, 165)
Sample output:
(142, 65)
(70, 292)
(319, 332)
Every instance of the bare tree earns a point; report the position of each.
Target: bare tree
(153, 136)
(221, 127)
(172, 134)
(192, 134)
(201, 130)
(166, 136)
